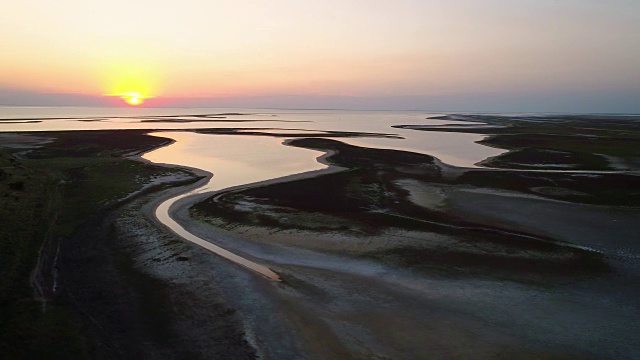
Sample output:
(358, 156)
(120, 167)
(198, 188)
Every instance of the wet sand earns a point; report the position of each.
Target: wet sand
(337, 300)
(335, 290)
(163, 213)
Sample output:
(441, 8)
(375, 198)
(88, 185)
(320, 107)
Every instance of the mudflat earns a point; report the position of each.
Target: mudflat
(400, 238)
(384, 254)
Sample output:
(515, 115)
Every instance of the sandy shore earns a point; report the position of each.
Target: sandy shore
(335, 287)
(181, 229)
(350, 294)
(190, 200)
(422, 260)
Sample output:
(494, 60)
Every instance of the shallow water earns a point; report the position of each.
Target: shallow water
(452, 148)
(236, 160)
(162, 213)
(233, 160)
(370, 304)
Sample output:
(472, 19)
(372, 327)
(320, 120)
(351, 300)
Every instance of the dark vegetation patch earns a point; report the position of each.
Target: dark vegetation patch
(19, 121)
(580, 152)
(99, 143)
(359, 157)
(349, 194)
(533, 139)
(26, 215)
(132, 314)
(370, 202)
(560, 124)
(343, 196)
(602, 189)
(340, 194)
(529, 158)
(614, 146)
(16, 185)
(45, 198)
(618, 189)
(515, 265)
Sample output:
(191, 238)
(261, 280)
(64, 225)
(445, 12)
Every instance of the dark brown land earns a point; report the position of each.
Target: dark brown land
(370, 199)
(568, 142)
(397, 256)
(72, 211)
(568, 237)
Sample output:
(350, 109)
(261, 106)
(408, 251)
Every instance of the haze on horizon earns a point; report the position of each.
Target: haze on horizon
(493, 55)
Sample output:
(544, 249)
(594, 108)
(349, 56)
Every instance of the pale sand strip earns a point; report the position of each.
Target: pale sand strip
(162, 214)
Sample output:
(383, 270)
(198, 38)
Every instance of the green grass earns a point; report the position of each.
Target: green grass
(51, 195)
(25, 217)
(90, 183)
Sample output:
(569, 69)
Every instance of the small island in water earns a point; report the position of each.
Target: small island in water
(291, 235)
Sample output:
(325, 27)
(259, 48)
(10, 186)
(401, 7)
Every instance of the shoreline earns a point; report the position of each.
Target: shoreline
(337, 285)
(184, 199)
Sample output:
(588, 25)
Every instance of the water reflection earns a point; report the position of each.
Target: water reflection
(453, 148)
(233, 161)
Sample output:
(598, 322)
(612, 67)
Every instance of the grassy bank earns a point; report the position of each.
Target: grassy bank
(30, 201)
(46, 194)
(555, 142)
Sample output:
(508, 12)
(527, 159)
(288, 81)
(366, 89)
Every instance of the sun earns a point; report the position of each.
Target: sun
(133, 99)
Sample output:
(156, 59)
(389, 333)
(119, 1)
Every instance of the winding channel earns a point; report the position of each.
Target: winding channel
(235, 161)
(162, 214)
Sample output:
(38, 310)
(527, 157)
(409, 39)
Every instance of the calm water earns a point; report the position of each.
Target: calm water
(234, 160)
(452, 148)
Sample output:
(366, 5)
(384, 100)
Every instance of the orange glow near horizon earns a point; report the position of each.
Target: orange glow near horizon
(377, 54)
(132, 79)
(133, 99)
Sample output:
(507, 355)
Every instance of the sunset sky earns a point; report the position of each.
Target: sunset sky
(466, 55)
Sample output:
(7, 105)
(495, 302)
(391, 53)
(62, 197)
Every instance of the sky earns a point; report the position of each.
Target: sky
(462, 55)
